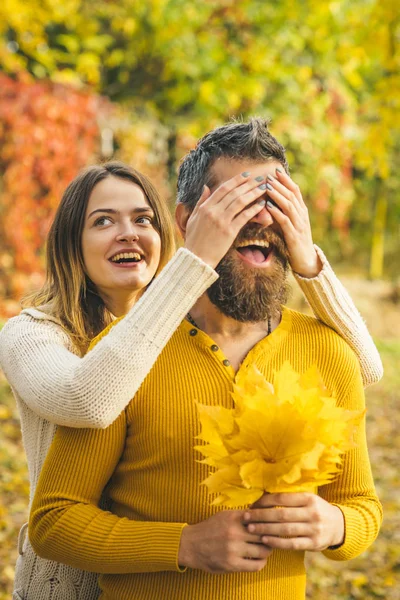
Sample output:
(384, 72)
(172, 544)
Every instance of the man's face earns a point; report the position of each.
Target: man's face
(252, 275)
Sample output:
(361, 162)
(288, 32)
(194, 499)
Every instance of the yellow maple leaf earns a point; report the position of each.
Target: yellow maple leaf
(286, 437)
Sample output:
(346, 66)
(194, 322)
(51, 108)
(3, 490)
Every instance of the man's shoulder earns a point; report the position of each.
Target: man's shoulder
(318, 333)
(311, 342)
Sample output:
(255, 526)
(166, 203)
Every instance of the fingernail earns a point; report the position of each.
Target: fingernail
(263, 186)
(259, 178)
(246, 174)
(269, 187)
(261, 202)
(247, 516)
(270, 177)
(279, 170)
(251, 527)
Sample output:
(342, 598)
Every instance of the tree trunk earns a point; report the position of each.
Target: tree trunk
(378, 238)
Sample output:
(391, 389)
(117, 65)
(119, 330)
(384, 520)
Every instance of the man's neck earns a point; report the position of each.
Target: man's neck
(235, 338)
(213, 322)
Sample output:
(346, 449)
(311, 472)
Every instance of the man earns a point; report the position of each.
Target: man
(163, 539)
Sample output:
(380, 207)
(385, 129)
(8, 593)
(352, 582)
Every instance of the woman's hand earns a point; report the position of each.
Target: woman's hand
(296, 521)
(219, 216)
(222, 544)
(291, 213)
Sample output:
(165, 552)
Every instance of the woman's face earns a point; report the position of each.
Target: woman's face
(120, 245)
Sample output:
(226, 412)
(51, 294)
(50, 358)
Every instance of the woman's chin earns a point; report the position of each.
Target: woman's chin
(133, 284)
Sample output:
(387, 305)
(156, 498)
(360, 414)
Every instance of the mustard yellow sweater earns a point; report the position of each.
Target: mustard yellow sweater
(147, 464)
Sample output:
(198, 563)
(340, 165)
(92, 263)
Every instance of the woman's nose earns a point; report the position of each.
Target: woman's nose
(264, 218)
(128, 234)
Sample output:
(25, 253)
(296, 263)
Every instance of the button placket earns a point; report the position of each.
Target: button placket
(215, 350)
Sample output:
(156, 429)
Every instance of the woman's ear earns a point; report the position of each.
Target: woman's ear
(182, 214)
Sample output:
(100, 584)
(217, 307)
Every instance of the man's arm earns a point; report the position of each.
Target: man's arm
(66, 524)
(346, 515)
(354, 491)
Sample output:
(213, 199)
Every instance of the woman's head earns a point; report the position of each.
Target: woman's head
(110, 236)
(120, 242)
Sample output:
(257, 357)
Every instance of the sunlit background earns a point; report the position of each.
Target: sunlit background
(141, 80)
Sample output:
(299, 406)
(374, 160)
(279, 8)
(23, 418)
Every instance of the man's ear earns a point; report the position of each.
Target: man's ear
(182, 214)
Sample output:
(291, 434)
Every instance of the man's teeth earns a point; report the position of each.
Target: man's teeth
(135, 256)
(254, 243)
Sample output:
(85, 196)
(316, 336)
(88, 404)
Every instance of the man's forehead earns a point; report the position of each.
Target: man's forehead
(226, 168)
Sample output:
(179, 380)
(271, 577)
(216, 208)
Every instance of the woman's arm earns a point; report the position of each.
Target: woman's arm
(92, 391)
(66, 524)
(328, 298)
(332, 304)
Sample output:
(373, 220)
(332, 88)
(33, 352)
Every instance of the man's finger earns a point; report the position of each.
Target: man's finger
(256, 551)
(296, 543)
(284, 499)
(280, 529)
(278, 515)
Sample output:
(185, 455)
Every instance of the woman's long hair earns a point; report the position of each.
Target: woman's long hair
(69, 293)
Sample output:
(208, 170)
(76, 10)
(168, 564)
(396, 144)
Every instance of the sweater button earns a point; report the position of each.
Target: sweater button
(214, 348)
(226, 362)
(193, 332)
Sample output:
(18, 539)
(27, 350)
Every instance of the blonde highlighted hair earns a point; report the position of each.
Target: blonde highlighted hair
(69, 294)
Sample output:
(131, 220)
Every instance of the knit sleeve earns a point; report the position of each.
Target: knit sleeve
(66, 524)
(332, 304)
(353, 491)
(92, 391)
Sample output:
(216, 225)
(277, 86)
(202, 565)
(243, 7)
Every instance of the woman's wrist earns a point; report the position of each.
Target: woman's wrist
(309, 268)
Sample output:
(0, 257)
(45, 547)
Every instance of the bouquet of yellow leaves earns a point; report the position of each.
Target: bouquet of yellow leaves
(286, 437)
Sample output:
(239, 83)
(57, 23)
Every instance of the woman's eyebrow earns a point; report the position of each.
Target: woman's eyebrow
(113, 211)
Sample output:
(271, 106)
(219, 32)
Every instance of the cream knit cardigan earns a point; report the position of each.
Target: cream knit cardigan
(53, 385)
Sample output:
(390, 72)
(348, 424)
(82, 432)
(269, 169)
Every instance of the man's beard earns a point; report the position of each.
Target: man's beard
(249, 294)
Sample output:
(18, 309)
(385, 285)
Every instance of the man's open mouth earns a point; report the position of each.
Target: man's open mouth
(126, 257)
(255, 251)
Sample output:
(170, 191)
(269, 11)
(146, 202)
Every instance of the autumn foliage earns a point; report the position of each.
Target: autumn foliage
(287, 437)
(48, 132)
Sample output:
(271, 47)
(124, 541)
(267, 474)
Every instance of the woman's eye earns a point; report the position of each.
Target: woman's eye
(145, 220)
(102, 221)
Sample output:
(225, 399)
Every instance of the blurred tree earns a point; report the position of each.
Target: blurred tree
(47, 133)
(326, 73)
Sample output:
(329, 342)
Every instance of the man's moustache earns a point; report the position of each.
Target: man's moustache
(253, 232)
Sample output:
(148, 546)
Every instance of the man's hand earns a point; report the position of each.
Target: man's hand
(291, 214)
(297, 521)
(222, 544)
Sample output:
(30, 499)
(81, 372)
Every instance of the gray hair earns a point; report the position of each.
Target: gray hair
(237, 140)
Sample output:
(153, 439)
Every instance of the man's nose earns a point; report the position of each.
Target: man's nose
(264, 218)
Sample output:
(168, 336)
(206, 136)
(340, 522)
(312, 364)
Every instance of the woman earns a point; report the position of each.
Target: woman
(110, 239)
